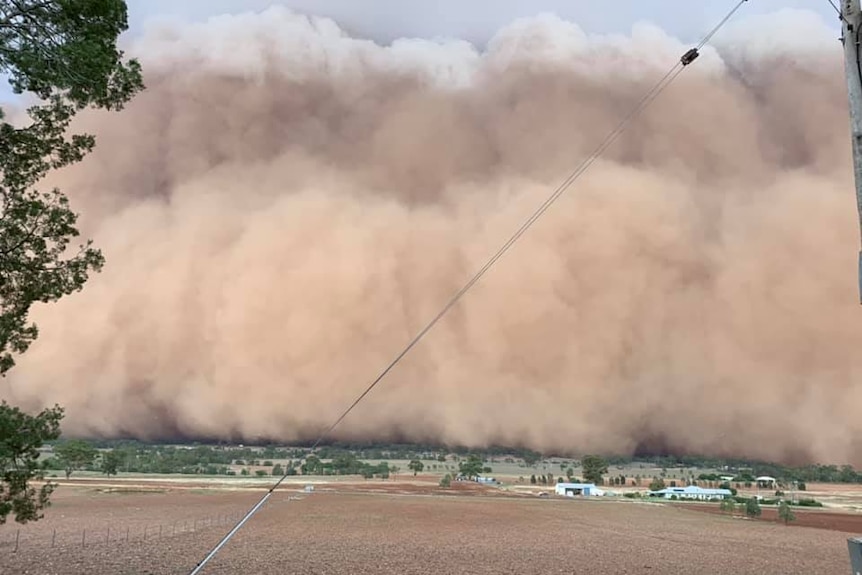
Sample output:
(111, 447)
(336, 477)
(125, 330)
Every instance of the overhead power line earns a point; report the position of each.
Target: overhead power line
(648, 98)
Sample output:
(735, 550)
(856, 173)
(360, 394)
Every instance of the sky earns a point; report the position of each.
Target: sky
(477, 20)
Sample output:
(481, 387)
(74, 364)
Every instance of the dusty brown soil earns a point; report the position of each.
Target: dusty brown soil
(406, 530)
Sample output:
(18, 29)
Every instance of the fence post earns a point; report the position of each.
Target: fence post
(17, 535)
(160, 531)
(53, 537)
(108, 535)
(84, 538)
(127, 534)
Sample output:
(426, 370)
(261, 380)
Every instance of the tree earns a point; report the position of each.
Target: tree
(728, 505)
(446, 481)
(657, 484)
(785, 513)
(416, 466)
(570, 473)
(594, 468)
(110, 462)
(277, 470)
(472, 467)
(75, 455)
(65, 54)
(21, 436)
(752, 508)
(533, 479)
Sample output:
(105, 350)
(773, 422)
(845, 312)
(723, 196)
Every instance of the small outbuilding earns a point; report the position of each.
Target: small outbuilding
(692, 492)
(576, 489)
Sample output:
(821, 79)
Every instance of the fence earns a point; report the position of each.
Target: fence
(38, 537)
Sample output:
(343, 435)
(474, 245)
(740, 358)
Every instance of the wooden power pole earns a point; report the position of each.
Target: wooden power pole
(851, 26)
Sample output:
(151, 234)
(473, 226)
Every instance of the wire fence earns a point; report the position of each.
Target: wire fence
(14, 539)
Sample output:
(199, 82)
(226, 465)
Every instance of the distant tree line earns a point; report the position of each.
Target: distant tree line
(347, 459)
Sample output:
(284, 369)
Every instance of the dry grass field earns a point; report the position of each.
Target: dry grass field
(401, 528)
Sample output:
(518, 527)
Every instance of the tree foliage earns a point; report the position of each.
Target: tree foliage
(472, 467)
(728, 505)
(785, 513)
(21, 436)
(64, 52)
(752, 508)
(75, 455)
(657, 484)
(111, 461)
(416, 466)
(594, 468)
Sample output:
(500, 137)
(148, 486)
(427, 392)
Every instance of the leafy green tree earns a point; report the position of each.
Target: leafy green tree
(64, 53)
(278, 470)
(21, 436)
(657, 484)
(752, 508)
(728, 505)
(785, 513)
(531, 458)
(110, 462)
(472, 467)
(533, 479)
(570, 473)
(594, 468)
(416, 466)
(74, 455)
(446, 481)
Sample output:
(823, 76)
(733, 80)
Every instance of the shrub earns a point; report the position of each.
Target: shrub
(752, 508)
(809, 503)
(261, 473)
(728, 505)
(446, 481)
(785, 513)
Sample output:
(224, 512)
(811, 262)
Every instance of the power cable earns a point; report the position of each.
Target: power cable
(837, 10)
(686, 59)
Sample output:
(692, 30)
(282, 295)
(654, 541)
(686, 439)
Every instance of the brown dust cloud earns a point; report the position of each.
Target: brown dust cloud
(286, 206)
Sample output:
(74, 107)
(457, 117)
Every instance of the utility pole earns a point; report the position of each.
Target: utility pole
(851, 25)
(851, 21)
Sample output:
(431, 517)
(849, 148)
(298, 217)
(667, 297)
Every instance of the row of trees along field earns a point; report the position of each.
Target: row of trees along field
(135, 457)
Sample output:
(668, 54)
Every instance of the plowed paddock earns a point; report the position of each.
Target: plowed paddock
(358, 533)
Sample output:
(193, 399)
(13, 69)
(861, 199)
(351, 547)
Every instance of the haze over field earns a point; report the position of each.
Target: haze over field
(286, 206)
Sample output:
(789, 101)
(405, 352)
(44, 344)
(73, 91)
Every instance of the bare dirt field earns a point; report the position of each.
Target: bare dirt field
(401, 528)
(830, 520)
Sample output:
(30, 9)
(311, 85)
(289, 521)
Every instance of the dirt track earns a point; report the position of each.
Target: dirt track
(358, 533)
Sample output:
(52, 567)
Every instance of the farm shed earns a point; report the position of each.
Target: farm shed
(692, 492)
(576, 489)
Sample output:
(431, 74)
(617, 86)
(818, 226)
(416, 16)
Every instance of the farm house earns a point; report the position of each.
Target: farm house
(577, 489)
(692, 492)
